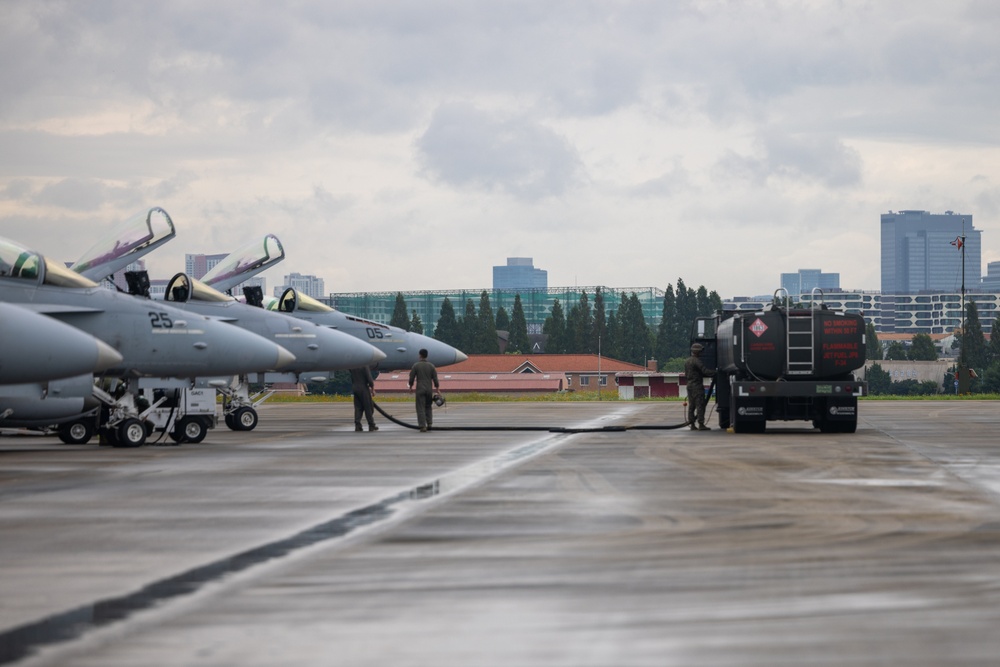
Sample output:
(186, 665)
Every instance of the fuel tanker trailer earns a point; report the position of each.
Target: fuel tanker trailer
(785, 363)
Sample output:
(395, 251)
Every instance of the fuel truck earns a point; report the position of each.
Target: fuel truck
(785, 363)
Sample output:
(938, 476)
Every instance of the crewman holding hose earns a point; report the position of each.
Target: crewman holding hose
(424, 374)
(695, 372)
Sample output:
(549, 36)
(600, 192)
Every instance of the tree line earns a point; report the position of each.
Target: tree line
(974, 351)
(587, 326)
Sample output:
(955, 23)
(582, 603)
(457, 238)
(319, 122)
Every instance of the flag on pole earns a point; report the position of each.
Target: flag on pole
(957, 242)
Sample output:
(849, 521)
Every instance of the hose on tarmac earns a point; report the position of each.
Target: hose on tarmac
(546, 429)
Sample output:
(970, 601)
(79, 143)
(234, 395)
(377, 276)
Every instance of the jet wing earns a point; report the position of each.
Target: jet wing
(125, 244)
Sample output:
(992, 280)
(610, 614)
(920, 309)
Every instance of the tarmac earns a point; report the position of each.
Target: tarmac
(306, 543)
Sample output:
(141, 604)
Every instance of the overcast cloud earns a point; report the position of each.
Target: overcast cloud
(415, 145)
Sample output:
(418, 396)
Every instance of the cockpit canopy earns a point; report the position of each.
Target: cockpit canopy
(183, 288)
(18, 262)
(139, 235)
(292, 300)
(245, 263)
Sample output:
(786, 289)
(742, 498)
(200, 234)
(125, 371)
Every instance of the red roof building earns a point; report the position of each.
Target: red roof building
(519, 374)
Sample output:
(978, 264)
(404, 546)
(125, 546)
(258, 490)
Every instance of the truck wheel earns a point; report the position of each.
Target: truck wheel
(189, 429)
(76, 433)
(130, 433)
(245, 419)
(724, 417)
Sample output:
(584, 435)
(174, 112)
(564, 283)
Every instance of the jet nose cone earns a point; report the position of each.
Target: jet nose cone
(285, 358)
(460, 356)
(107, 356)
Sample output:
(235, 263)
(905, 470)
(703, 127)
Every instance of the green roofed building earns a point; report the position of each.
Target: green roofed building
(537, 303)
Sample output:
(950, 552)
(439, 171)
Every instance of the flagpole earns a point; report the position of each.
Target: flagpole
(962, 373)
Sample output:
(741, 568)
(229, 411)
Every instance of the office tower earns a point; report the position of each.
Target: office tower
(921, 252)
(519, 274)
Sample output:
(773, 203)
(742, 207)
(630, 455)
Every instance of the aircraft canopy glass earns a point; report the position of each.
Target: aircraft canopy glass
(250, 259)
(140, 231)
(183, 288)
(292, 299)
(18, 262)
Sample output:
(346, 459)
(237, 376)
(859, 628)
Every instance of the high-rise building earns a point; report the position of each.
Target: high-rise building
(925, 252)
(519, 273)
(307, 284)
(806, 280)
(921, 252)
(197, 266)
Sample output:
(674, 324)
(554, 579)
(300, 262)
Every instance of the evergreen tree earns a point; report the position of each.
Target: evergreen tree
(555, 329)
(583, 327)
(400, 313)
(895, 352)
(517, 340)
(873, 348)
(447, 330)
(569, 336)
(973, 340)
(469, 326)
(923, 349)
(665, 333)
(598, 332)
(612, 345)
(635, 332)
(993, 352)
(487, 330)
(503, 319)
(416, 324)
(879, 381)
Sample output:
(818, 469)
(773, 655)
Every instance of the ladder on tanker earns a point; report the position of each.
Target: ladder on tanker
(800, 338)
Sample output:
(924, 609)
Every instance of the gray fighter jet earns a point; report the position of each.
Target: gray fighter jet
(318, 350)
(154, 339)
(401, 347)
(37, 348)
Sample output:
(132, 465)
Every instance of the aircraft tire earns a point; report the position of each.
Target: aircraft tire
(189, 429)
(76, 433)
(130, 433)
(245, 419)
(230, 422)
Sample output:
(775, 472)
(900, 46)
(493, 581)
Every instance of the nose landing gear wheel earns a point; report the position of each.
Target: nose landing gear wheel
(131, 433)
(245, 419)
(189, 429)
(76, 433)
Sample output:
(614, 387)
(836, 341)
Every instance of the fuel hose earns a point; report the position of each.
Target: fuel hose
(545, 429)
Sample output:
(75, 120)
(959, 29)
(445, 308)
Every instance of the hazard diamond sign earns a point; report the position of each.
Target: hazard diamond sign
(758, 327)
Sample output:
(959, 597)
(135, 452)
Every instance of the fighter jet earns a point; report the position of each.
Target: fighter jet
(318, 350)
(37, 348)
(401, 347)
(153, 338)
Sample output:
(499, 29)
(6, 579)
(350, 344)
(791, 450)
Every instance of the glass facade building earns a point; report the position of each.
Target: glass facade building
(923, 253)
(537, 304)
(519, 274)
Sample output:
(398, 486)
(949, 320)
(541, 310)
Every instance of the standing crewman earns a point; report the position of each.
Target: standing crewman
(695, 372)
(363, 388)
(426, 377)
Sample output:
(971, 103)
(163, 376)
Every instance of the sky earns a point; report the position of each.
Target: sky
(414, 145)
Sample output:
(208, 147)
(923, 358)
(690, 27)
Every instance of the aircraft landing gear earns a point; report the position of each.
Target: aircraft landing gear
(77, 432)
(243, 419)
(189, 429)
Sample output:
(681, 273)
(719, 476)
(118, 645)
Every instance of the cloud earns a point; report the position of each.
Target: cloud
(466, 147)
(811, 158)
